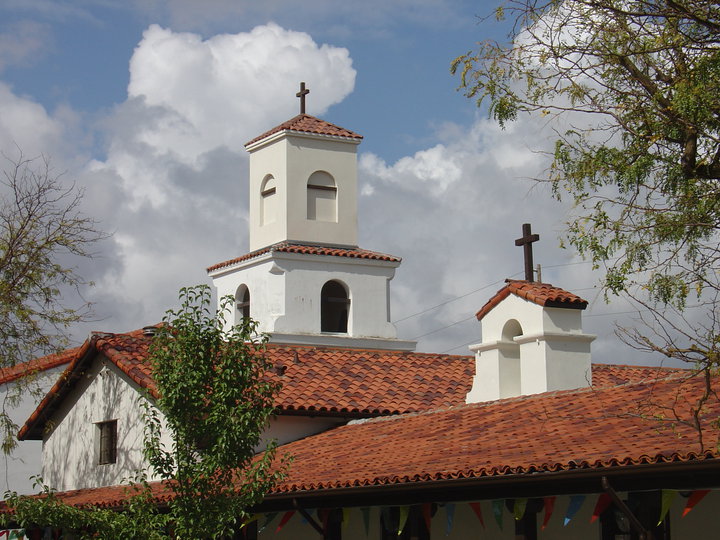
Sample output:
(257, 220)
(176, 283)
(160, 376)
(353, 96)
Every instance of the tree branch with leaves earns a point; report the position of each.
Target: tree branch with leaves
(634, 83)
(216, 401)
(630, 88)
(43, 234)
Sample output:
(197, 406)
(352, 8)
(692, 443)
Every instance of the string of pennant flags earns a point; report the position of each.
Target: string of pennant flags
(518, 506)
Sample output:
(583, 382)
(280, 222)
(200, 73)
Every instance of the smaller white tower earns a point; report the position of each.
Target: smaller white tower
(532, 342)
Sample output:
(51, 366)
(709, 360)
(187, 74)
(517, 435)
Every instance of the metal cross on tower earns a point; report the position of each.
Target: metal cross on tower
(526, 242)
(301, 94)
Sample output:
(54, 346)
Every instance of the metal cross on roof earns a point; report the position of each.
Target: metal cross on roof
(301, 94)
(526, 242)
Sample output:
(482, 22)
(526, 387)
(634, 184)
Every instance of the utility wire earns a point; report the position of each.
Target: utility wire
(458, 346)
(483, 288)
(443, 328)
(448, 301)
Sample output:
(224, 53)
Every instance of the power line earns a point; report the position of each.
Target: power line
(447, 301)
(458, 346)
(443, 328)
(485, 287)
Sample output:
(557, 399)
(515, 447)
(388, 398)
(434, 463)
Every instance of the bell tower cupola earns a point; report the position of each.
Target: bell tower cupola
(303, 183)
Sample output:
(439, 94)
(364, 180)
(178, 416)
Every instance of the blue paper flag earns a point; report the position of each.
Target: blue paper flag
(497, 506)
(450, 514)
(576, 501)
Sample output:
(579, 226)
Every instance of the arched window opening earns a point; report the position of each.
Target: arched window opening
(512, 329)
(268, 200)
(321, 197)
(242, 302)
(334, 308)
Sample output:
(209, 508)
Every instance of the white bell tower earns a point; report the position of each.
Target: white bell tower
(305, 279)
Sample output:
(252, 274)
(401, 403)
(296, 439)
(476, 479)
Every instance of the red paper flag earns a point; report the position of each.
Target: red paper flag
(602, 504)
(427, 514)
(695, 497)
(284, 520)
(549, 507)
(478, 512)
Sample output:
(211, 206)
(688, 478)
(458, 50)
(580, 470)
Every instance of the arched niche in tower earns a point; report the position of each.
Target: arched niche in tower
(321, 197)
(268, 200)
(334, 307)
(510, 359)
(242, 304)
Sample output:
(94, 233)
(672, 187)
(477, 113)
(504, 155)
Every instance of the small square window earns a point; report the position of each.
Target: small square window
(108, 442)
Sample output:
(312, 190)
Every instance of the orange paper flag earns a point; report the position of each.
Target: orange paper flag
(695, 497)
(427, 514)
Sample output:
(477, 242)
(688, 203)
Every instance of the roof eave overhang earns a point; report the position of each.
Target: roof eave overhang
(278, 135)
(34, 428)
(680, 475)
(323, 258)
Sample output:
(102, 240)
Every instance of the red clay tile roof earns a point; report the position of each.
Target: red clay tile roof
(290, 247)
(9, 374)
(317, 380)
(305, 123)
(322, 380)
(559, 431)
(582, 431)
(368, 382)
(614, 374)
(542, 294)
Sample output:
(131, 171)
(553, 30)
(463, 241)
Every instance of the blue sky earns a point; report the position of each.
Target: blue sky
(79, 53)
(146, 105)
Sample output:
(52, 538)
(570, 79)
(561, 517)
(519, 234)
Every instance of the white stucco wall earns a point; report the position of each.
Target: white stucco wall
(291, 159)
(70, 449)
(285, 292)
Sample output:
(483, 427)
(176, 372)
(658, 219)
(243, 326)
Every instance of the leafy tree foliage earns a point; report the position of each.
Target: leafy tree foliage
(42, 235)
(216, 402)
(635, 82)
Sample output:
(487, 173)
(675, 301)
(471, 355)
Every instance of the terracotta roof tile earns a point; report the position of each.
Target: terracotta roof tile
(9, 374)
(368, 382)
(542, 294)
(322, 380)
(614, 374)
(305, 123)
(305, 249)
(579, 429)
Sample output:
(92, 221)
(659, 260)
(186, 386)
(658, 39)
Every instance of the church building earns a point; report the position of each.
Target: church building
(527, 437)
